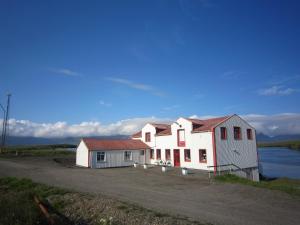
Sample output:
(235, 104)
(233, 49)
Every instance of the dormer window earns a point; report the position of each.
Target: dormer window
(180, 138)
(148, 137)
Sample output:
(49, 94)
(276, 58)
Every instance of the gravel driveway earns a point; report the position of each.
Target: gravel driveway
(192, 196)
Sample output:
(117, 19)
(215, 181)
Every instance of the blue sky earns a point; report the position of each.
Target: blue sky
(108, 61)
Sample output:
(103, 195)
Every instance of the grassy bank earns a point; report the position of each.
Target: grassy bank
(68, 207)
(289, 186)
(288, 144)
(38, 150)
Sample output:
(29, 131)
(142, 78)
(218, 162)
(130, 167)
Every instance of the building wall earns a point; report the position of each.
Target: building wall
(82, 158)
(115, 158)
(242, 153)
(193, 141)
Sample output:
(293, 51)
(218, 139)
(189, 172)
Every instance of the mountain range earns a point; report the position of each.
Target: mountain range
(14, 140)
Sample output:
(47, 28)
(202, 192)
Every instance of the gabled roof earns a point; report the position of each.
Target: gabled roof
(206, 125)
(128, 144)
(137, 135)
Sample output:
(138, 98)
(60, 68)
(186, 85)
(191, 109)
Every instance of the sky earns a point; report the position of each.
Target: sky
(108, 67)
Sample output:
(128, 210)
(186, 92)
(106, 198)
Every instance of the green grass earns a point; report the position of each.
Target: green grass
(38, 150)
(17, 206)
(289, 186)
(289, 144)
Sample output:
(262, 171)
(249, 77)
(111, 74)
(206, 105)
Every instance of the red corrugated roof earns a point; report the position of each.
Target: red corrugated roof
(137, 135)
(96, 144)
(206, 125)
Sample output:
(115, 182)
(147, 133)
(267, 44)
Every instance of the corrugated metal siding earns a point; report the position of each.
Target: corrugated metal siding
(242, 153)
(116, 159)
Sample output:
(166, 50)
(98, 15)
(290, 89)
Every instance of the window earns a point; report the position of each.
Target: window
(168, 154)
(223, 133)
(127, 156)
(237, 133)
(101, 157)
(142, 152)
(147, 137)
(158, 154)
(187, 155)
(249, 134)
(151, 153)
(180, 138)
(202, 156)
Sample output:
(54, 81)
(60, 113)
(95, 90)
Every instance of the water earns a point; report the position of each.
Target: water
(279, 162)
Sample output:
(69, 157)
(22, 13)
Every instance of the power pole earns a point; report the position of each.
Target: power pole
(5, 125)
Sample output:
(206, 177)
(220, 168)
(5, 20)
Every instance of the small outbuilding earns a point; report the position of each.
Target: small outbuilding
(95, 153)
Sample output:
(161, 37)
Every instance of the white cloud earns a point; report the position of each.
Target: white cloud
(134, 85)
(93, 128)
(66, 72)
(272, 125)
(105, 104)
(277, 90)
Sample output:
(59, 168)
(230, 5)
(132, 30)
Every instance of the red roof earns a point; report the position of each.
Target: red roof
(206, 125)
(128, 144)
(137, 135)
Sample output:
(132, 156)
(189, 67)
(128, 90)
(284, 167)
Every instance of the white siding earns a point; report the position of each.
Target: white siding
(82, 158)
(115, 158)
(242, 153)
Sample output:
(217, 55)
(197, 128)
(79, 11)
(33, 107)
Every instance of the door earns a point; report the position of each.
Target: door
(176, 157)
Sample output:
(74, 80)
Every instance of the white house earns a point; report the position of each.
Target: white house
(96, 153)
(218, 145)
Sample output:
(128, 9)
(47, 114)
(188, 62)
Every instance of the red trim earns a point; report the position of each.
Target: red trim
(214, 150)
(202, 161)
(168, 156)
(185, 155)
(175, 151)
(179, 142)
(89, 153)
(151, 153)
(223, 133)
(249, 134)
(147, 137)
(238, 135)
(158, 151)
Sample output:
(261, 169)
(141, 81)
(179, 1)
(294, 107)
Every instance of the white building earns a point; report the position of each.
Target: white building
(218, 144)
(96, 153)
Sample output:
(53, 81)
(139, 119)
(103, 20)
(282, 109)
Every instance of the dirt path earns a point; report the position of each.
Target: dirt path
(192, 196)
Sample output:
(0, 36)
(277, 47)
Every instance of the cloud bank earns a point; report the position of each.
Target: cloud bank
(272, 125)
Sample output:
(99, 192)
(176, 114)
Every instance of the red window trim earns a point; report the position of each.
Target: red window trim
(185, 155)
(158, 150)
(180, 143)
(202, 161)
(147, 137)
(151, 153)
(223, 133)
(249, 134)
(239, 137)
(168, 150)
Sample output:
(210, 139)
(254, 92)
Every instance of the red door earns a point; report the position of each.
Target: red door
(176, 157)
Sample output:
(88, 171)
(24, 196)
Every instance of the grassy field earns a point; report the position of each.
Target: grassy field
(39, 150)
(289, 144)
(17, 207)
(289, 186)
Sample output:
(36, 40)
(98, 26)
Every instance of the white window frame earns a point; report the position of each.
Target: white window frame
(130, 158)
(100, 153)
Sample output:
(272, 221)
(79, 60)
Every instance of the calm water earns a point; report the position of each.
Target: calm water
(279, 162)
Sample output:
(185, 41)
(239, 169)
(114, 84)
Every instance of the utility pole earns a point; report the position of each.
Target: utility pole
(5, 125)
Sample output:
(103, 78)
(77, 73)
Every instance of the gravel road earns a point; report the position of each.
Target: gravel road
(192, 196)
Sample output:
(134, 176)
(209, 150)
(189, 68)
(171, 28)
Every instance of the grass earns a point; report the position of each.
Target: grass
(286, 185)
(16, 201)
(38, 150)
(289, 144)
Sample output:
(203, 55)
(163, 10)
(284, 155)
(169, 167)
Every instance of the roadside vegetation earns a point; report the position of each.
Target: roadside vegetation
(289, 144)
(39, 150)
(289, 186)
(18, 207)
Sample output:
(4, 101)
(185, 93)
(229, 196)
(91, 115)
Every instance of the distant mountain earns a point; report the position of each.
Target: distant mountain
(13, 140)
(265, 138)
